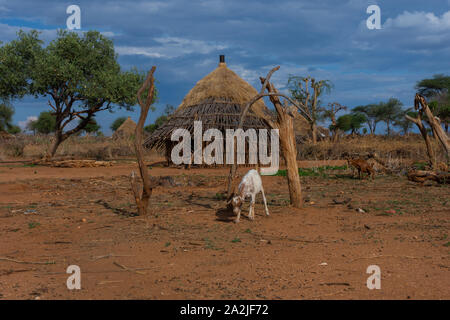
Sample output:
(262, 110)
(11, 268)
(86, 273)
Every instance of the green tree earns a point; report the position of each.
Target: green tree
(6, 114)
(117, 123)
(17, 59)
(330, 113)
(373, 113)
(307, 92)
(404, 124)
(14, 129)
(92, 127)
(169, 109)
(390, 111)
(79, 73)
(46, 123)
(437, 90)
(439, 84)
(351, 122)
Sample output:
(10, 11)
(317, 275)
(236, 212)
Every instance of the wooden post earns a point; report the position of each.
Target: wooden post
(285, 125)
(433, 121)
(143, 198)
(426, 137)
(287, 138)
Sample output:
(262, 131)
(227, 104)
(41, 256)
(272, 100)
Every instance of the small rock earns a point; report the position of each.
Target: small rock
(360, 210)
(323, 264)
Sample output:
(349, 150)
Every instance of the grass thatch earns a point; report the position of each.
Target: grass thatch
(126, 130)
(217, 101)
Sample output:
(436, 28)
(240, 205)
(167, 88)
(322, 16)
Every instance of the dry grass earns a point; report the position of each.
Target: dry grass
(90, 147)
(392, 149)
(396, 151)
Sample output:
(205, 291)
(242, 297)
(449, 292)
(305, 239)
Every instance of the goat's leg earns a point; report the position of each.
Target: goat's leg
(238, 217)
(251, 213)
(265, 202)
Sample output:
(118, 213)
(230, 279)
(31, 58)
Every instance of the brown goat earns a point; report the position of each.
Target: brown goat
(362, 166)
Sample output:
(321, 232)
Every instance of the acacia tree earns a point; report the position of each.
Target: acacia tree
(351, 122)
(306, 91)
(16, 61)
(117, 123)
(437, 91)
(330, 113)
(373, 113)
(404, 124)
(92, 127)
(45, 123)
(6, 113)
(79, 74)
(391, 111)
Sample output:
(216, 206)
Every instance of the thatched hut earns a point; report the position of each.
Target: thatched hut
(6, 136)
(126, 130)
(217, 101)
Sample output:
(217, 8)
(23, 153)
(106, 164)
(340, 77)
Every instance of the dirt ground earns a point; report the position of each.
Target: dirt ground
(51, 218)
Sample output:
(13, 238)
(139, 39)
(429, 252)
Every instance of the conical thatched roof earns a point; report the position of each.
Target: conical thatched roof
(217, 101)
(126, 129)
(6, 136)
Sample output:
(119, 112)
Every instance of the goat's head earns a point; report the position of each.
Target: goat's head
(236, 202)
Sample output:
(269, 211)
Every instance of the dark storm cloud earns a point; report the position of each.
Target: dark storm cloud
(328, 40)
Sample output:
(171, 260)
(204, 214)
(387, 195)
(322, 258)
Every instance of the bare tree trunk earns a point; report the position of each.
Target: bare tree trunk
(287, 141)
(434, 122)
(314, 132)
(426, 138)
(285, 124)
(59, 138)
(143, 198)
(287, 138)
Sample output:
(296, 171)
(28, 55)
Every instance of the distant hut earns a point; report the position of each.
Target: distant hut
(217, 100)
(6, 136)
(126, 130)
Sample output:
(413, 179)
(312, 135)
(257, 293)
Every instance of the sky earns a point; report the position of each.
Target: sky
(324, 39)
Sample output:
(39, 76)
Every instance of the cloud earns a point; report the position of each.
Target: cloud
(326, 39)
(24, 124)
(172, 47)
(8, 33)
(420, 19)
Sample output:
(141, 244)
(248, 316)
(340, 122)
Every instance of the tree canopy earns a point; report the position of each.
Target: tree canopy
(373, 113)
(92, 127)
(78, 73)
(46, 123)
(391, 111)
(6, 114)
(351, 122)
(169, 109)
(437, 90)
(117, 123)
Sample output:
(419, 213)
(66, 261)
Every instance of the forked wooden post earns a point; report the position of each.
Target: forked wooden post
(420, 104)
(143, 198)
(285, 125)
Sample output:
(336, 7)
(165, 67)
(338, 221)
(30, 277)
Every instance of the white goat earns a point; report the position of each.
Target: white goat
(250, 185)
